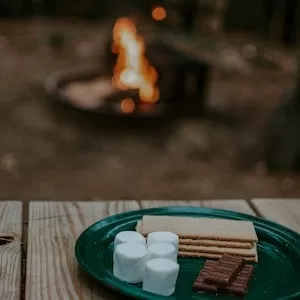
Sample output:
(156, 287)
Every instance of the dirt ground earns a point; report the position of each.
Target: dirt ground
(50, 152)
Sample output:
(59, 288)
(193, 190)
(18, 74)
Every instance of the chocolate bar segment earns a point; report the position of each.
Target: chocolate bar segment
(240, 284)
(225, 271)
(200, 284)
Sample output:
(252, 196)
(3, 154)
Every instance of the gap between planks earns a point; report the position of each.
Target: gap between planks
(25, 218)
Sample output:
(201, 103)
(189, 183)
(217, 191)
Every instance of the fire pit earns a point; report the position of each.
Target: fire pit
(137, 79)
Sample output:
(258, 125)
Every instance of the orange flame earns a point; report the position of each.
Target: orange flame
(133, 70)
(159, 13)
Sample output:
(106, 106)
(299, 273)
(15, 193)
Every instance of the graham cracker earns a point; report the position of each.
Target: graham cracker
(206, 242)
(138, 227)
(219, 250)
(201, 228)
(212, 256)
(217, 243)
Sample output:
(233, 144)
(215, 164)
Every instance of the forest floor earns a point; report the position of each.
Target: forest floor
(49, 152)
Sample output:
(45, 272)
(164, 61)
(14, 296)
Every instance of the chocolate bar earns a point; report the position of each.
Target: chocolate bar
(225, 270)
(238, 287)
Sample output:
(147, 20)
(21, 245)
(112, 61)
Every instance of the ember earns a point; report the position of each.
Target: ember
(127, 105)
(159, 13)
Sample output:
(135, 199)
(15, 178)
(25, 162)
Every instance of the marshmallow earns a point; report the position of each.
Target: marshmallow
(163, 237)
(162, 250)
(160, 276)
(129, 261)
(129, 237)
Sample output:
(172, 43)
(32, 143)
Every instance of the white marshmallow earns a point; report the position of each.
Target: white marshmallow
(129, 237)
(162, 250)
(129, 262)
(163, 237)
(160, 276)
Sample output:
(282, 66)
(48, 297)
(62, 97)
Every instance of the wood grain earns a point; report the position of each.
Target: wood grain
(284, 211)
(10, 254)
(52, 270)
(234, 205)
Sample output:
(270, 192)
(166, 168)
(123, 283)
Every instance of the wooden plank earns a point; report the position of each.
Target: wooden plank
(235, 205)
(283, 211)
(10, 254)
(52, 270)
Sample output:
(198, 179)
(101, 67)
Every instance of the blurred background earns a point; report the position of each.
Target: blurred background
(58, 142)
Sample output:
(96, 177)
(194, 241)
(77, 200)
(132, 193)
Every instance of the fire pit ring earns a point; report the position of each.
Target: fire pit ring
(56, 83)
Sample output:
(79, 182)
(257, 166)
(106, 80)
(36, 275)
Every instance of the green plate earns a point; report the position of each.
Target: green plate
(276, 276)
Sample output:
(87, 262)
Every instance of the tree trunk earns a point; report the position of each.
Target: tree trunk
(10, 8)
(189, 10)
(27, 8)
(282, 140)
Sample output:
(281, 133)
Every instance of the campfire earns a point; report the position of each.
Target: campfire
(138, 78)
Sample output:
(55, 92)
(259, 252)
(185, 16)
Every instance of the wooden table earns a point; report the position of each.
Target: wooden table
(41, 264)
